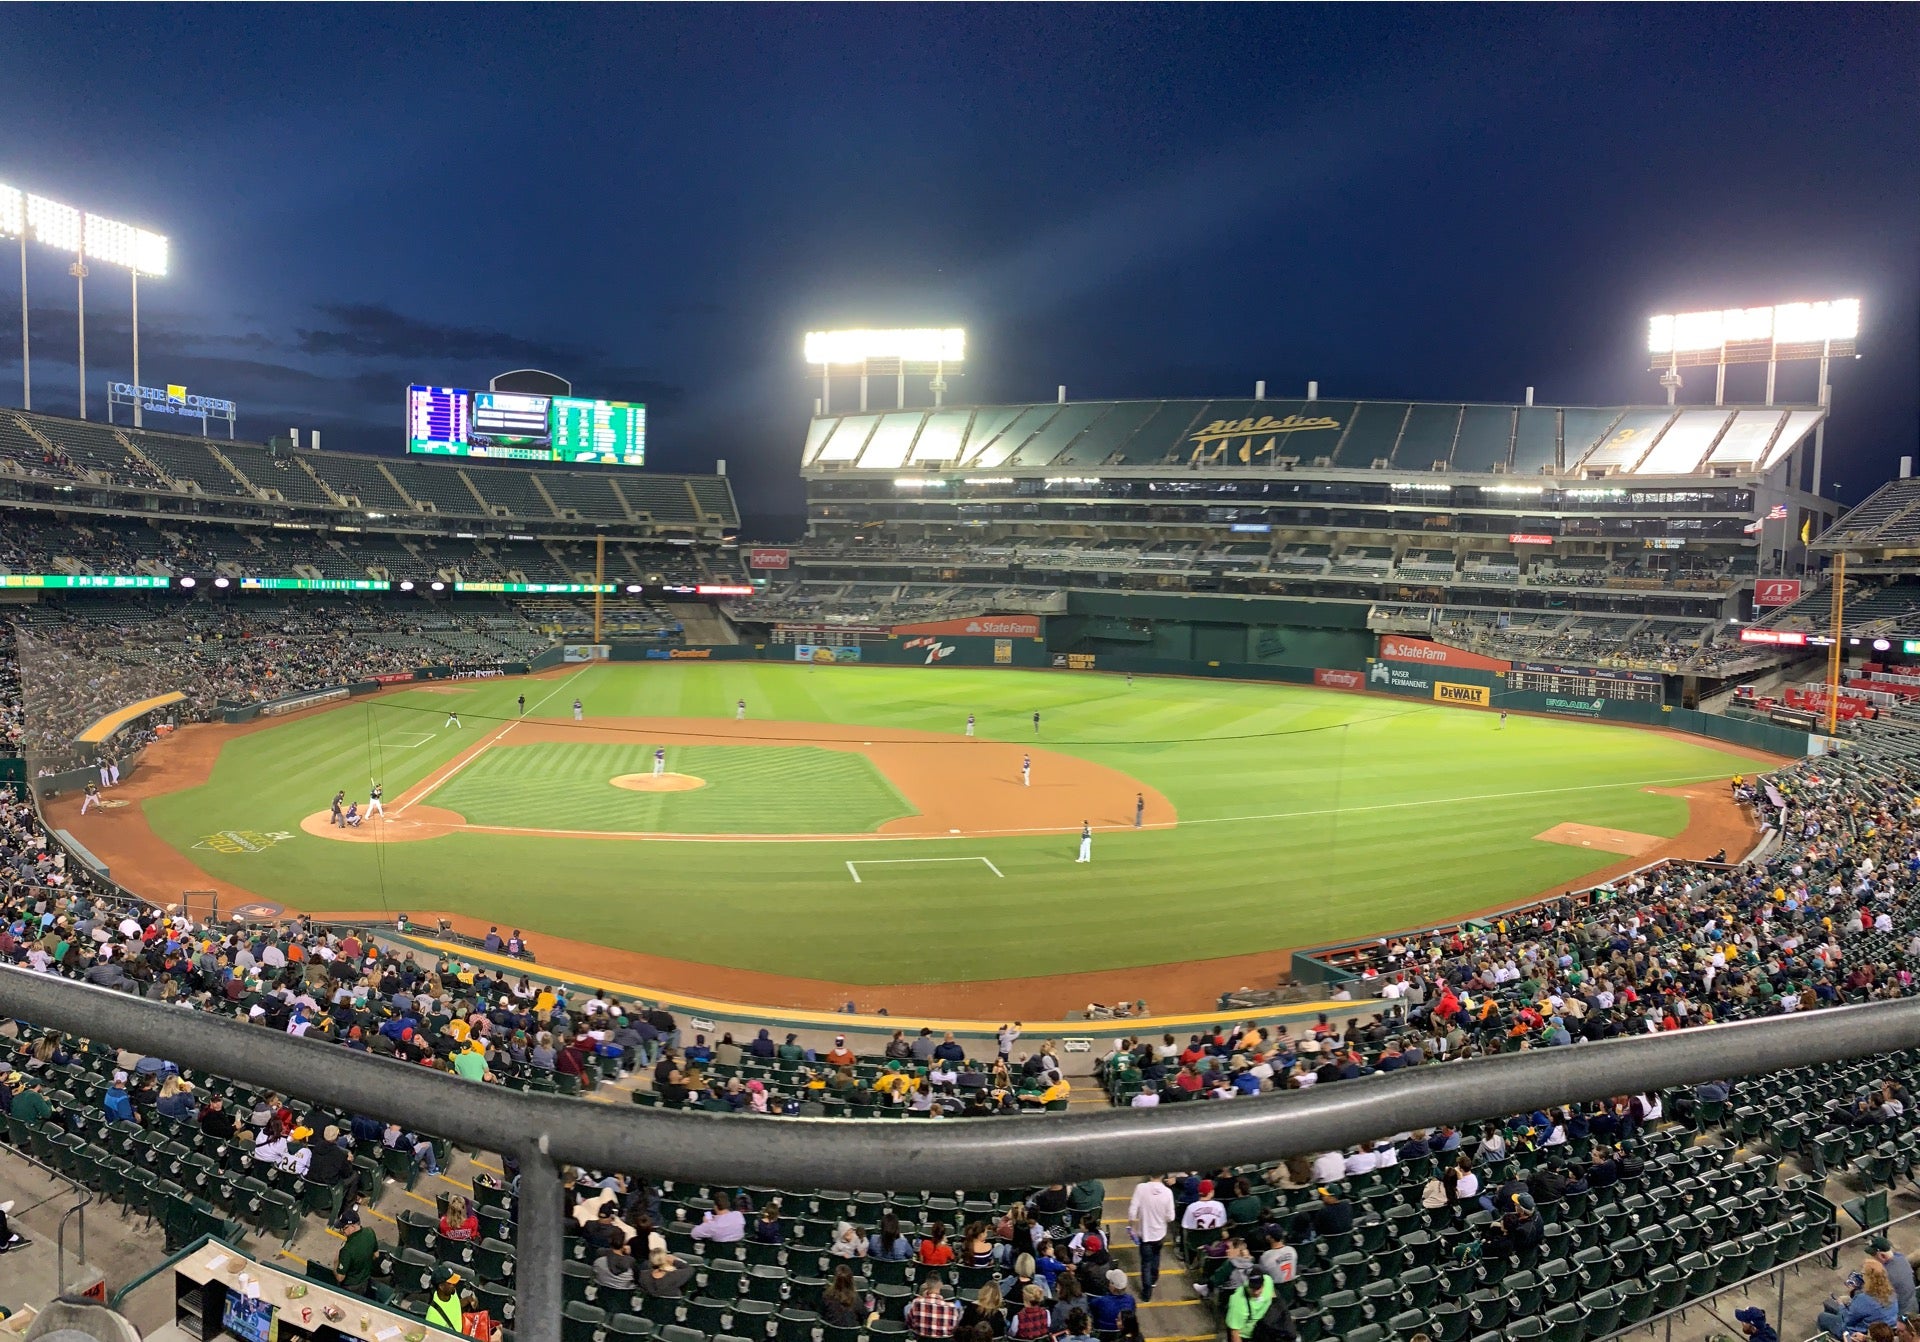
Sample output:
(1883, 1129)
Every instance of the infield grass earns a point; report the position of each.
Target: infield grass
(1305, 816)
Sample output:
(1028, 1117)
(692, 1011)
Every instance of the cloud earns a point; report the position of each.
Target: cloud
(376, 331)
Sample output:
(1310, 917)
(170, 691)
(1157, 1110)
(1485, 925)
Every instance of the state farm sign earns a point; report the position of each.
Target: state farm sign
(768, 558)
(1776, 591)
(1339, 680)
(1396, 649)
(990, 626)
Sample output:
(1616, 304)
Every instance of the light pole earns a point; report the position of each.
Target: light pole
(13, 224)
(79, 272)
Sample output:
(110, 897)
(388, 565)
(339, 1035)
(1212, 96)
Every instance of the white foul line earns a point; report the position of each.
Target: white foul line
(490, 741)
(853, 867)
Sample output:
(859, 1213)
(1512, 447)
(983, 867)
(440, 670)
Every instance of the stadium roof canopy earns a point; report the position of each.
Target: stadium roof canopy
(1402, 436)
(1886, 520)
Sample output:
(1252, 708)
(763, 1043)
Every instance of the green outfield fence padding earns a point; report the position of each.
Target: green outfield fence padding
(553, 656)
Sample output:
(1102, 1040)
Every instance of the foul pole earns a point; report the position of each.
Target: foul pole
(599, 584)
(1833, 652)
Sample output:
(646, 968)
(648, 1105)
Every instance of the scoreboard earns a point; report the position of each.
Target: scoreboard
(611, 432)
(1587, 682)
(454, 422)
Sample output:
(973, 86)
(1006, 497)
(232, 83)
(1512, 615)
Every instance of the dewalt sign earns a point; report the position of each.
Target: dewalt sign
(1477, 696)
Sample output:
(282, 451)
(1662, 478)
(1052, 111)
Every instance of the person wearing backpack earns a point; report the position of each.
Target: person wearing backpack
(1255, 1313)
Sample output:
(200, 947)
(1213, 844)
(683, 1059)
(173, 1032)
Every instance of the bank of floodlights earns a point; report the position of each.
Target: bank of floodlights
(86, 237)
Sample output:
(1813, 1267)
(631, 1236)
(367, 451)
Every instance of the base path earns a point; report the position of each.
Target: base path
(144, 862)
(960, 787)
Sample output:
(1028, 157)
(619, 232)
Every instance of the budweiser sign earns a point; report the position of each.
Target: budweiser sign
(768, 558)
(1785, 638)
(1528, 538)
(1776, 591)
(1339, 680)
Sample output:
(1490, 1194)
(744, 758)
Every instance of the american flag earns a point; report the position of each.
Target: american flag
(1777, 513)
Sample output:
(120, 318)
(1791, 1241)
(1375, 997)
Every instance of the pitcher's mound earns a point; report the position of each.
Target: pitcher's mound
(658, 782)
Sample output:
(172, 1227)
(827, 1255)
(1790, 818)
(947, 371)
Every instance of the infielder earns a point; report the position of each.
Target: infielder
(1026, 771)
(578, 709)
(1086, 842)
(969, 724)
(659, 762)
(1139, 808)
(523, 705)
(91, 800)
(1503, 719)
(374, 804)
(453, 718)
(740, 711)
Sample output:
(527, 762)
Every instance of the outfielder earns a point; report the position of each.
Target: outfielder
(91, 800)
(1086, 842)
(374, 804)
(740, 711)
(969, 724)
(578, 709)
(1036, 722)
(659, 762)
(1026, 771)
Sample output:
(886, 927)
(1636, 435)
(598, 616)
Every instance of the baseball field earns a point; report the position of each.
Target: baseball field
(848, 830)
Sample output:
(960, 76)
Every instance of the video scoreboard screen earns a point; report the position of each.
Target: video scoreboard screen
(453, 422)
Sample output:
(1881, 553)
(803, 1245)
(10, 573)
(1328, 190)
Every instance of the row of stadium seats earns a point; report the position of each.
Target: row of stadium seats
(49, 447)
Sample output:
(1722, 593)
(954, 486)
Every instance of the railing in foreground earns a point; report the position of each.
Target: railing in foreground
(864, 1155)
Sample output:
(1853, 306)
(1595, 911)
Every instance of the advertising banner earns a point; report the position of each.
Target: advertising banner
(1476, 696)
(585, 652)
(1785, 638)
(994, 626)
(1394, 648)
(1776, 591)
(391, 677)
(822, 654)
(1073, 661)
(679, 654)
(1003, 652)
(279, 706)
(1399, 678)
(769, 558)
(1584, 708)
(1339, 680)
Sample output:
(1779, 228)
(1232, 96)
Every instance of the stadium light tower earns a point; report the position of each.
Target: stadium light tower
(13, 224)
(85, 236)
(923, 350)
(1787, 332)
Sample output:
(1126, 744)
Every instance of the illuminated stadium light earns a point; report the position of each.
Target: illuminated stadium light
(406, 584)
(918, 345)
(438, 586)
(189, 582)
(223, 582)
(87, 237)
(1833, 321)
(633, 587)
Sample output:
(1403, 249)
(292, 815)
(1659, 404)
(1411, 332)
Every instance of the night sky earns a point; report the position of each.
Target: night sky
(656, 201)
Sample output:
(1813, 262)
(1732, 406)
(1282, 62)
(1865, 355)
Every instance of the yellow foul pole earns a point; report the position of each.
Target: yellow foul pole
(599, 584)
(1833, 653)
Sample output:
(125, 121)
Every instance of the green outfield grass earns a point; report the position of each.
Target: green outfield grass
(1305, 816)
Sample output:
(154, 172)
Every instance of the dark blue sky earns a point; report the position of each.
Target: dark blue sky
(657, 201)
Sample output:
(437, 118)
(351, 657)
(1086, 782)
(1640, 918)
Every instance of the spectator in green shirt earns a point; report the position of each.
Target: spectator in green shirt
(355, 1263)
(30, 1106)
(471, 1063)
(1248, 1305)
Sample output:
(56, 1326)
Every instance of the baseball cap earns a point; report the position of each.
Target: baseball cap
(1880, 1244)
(1116, 1280)
(1751, 1314)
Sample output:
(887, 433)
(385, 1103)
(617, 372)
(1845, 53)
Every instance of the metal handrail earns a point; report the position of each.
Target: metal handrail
(961, 1154)
(85, 1196)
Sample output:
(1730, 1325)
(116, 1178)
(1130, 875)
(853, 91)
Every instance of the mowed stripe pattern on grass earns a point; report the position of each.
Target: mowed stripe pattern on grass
(1390, 813)
(749, 789)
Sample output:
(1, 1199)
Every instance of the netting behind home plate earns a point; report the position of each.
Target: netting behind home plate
(72, 679)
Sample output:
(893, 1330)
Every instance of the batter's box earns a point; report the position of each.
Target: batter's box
(853, 868)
